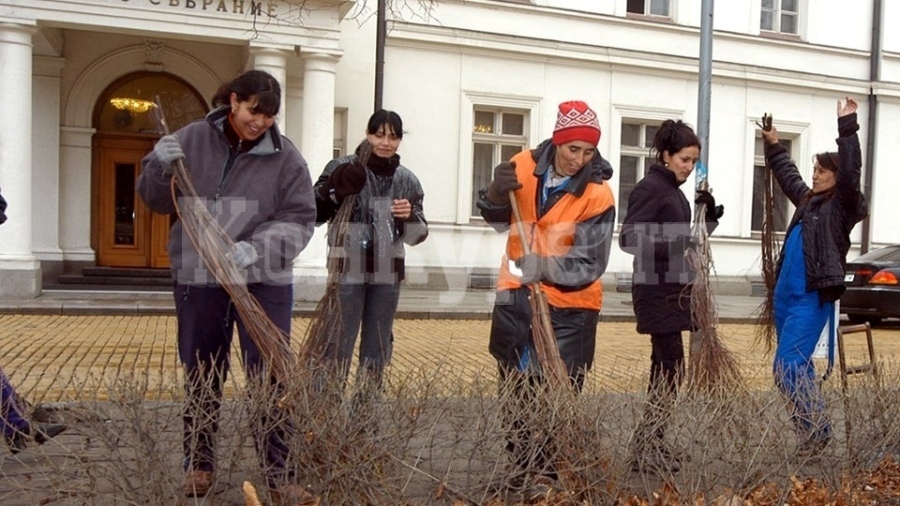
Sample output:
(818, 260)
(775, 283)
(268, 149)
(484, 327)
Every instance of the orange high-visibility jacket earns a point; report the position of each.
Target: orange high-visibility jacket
(573, 230)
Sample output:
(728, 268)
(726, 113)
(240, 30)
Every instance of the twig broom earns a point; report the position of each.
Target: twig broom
(712, 366)
(327, 324)
(542, 333)
(765, 329)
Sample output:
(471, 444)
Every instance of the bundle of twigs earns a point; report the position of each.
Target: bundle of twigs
(552, 365)
(712, 366)
(327, 324)
(765, 329)
(213, 245)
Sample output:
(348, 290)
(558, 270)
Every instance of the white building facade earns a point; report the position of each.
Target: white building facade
(474, 81)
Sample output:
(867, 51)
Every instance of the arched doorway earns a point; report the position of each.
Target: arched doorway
(125, 232)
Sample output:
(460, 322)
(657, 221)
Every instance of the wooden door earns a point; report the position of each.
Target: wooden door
(129, 234)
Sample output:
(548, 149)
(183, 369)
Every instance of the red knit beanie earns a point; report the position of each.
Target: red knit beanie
(575, 121)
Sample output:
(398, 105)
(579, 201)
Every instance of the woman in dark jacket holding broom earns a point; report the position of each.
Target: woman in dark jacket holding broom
(567, 213)
(810, 271)
(258, 188)
(657, 231)
(387, 213)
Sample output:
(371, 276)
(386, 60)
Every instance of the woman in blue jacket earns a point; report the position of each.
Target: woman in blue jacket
(810, 272)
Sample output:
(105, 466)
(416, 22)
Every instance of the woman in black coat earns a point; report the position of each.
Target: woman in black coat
(657, 231)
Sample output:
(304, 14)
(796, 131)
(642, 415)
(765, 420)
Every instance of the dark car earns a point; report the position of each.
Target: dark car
(873, 286)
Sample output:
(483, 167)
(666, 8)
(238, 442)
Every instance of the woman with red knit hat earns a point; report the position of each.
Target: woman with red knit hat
(568, 212)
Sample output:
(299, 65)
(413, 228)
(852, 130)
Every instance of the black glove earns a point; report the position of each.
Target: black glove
(2, 209)
(713, 212)
(348, 179)
(681, 244)
(504, 182)
(533, 267)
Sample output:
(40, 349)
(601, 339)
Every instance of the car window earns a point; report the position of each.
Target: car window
(886, 254)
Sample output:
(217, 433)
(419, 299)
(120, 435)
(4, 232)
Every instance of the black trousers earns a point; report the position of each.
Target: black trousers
(525, 416)
(666, 373)
(206, 320)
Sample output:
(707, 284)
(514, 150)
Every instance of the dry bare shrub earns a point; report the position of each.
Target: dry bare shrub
(437, 435)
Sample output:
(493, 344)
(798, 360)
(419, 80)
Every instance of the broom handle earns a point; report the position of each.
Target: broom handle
(519, 226)
(550, 352)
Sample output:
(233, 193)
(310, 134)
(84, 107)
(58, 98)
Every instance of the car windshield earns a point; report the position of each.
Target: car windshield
(886, 254)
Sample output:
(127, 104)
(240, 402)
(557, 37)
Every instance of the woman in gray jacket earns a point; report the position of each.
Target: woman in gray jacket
(386, 215)
(257, 186)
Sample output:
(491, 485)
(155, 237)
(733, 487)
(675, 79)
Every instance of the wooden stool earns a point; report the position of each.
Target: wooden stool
(871, 367)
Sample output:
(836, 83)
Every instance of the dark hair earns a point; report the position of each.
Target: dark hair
(249, 84)
(383, 117)
(673, 136)
(829, 160)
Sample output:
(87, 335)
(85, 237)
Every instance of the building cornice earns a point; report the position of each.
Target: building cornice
(534, 49)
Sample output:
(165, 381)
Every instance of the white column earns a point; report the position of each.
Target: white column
(75, 194)
(317, 121)
(45, 172)
(316, 143)
(274, 61)
(20, 272)
(294, 97)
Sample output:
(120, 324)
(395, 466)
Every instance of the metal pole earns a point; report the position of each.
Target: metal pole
(705, 84)
(704, 92)
(380, 34)
(872, 126)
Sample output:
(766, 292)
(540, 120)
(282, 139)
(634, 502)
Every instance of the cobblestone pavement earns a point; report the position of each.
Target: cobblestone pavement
(76, 359)
(53, 358)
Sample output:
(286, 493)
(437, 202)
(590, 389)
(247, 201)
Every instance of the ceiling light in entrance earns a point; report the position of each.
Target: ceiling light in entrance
(135, 105)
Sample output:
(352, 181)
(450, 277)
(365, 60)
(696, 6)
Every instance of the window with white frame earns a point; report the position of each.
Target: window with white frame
(339, 148)
(650, 7)
(780, 202)
(635, 158)
(780, 16)
(497, 135)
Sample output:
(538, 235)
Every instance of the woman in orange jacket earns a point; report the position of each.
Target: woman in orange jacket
(568, 212)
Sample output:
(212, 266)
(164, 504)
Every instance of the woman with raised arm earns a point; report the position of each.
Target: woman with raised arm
(810, 271)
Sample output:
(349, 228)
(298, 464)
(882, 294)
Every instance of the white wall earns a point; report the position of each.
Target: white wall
(619, 66)
(551, 51)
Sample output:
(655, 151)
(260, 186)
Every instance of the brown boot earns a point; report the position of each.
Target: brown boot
(293, 495)
(197, 483)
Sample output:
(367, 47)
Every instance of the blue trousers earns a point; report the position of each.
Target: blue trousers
(372, 307)
(799, 327)
(206, 319)
(12, 418)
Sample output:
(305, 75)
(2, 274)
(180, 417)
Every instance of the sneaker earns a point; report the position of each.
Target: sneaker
(15, 442)
(657, 458)
(812, 447)
(541, 487)
(41, 433)
(44, 432)
(293, 495)
(197, 483)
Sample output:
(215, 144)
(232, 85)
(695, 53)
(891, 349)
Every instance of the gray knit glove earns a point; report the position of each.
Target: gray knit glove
(168, 151)
(243, 254)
